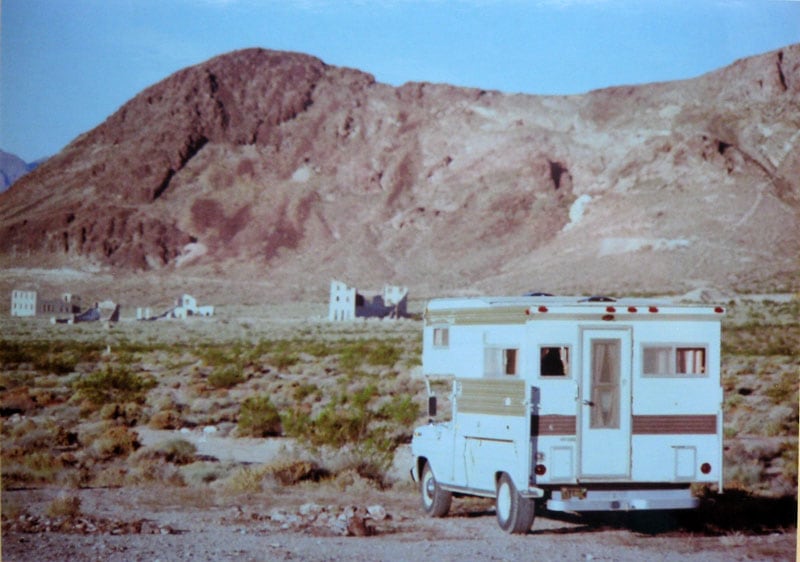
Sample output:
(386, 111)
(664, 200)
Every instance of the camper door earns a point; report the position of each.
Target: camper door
(605, 407)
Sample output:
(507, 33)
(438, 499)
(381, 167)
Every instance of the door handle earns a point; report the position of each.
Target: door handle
(588, 403)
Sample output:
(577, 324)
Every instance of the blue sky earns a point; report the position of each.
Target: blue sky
(66, 65)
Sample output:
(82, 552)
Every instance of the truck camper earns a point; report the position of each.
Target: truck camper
(579, 404)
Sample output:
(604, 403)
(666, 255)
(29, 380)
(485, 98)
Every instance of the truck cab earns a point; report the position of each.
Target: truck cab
(582, 404)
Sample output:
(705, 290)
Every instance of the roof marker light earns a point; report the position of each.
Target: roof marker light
(653, 309)
(632, 309)
(719, 310)
(542, 308)
(610, 309)
(608, 317)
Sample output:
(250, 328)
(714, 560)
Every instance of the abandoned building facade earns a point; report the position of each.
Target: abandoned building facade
(28, 303)
(346, 303)
(185, 306)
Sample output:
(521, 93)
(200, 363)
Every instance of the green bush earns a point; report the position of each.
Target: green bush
(226, 377)
(113, 386)
(348, 422)
(304, 390)
(59, 363)
(258, 417)
(401, 410)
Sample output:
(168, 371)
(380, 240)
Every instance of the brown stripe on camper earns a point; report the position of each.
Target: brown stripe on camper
(553, 425)
(497, 397)
(662, 425)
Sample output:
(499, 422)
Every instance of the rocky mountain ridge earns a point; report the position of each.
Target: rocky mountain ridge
(269, 165)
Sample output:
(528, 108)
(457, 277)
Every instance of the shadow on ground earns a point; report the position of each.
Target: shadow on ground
(735, 511)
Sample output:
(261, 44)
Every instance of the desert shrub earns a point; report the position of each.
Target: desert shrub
(785, 390)
(165, 419)
(116, 441)
(38, 467)
(221, 356)
(789, 456)
(382, 353)
(400, 410)
(155, 470)
(284, 359)
(743, 475)
(175, 451)
(65, 505)
(59, 364)
(373, 352)
(111, 385)
(129, 413)
(18, 400)
(350, 424)
(246, 480)
(258, 417)
(291, 472)
(202, 473)
(112, 476)
(49, 356)
(226, 377)
(251, 479)
(303, 391)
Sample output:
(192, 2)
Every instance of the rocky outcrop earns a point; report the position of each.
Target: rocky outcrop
(259, 160)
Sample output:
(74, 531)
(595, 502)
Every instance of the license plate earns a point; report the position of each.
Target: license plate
(569, 493)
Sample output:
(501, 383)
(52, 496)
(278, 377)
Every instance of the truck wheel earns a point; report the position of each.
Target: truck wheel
(435, 501)
(514, 513)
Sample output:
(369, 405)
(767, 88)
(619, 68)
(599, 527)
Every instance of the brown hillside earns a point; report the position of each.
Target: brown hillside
(270, 165)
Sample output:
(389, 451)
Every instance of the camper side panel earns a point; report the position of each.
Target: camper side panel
(677, 402)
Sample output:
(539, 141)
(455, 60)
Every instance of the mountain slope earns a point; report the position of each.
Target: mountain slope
(262, 164)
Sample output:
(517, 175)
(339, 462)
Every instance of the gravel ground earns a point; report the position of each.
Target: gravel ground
(224, 528)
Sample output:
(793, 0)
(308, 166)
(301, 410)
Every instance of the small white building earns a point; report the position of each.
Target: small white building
(23, 303)
(186, 305)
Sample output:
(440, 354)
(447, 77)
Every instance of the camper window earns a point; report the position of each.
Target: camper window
(667, 361)
(500, 362)
(554, 361)
(441, 337)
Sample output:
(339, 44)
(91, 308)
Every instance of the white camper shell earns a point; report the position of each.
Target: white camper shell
(587, 404)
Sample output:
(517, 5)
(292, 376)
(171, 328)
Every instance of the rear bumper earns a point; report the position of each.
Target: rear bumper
(622, 500)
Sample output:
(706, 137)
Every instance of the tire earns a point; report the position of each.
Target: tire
(514, 513)
(435, 501)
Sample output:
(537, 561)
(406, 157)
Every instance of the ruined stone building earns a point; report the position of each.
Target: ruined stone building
(28, 303)
(348, 304)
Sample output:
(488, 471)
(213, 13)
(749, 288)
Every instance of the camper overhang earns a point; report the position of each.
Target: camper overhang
(519, 310)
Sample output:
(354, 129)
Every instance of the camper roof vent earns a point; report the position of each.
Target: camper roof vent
(599, 298)
(537, 294)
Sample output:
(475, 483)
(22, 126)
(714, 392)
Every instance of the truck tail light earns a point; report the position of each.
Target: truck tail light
(540, 470)
(705, 468)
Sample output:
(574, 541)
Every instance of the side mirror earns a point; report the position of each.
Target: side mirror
(432, 406)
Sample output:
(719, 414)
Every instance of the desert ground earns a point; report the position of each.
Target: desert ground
(267, 433)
